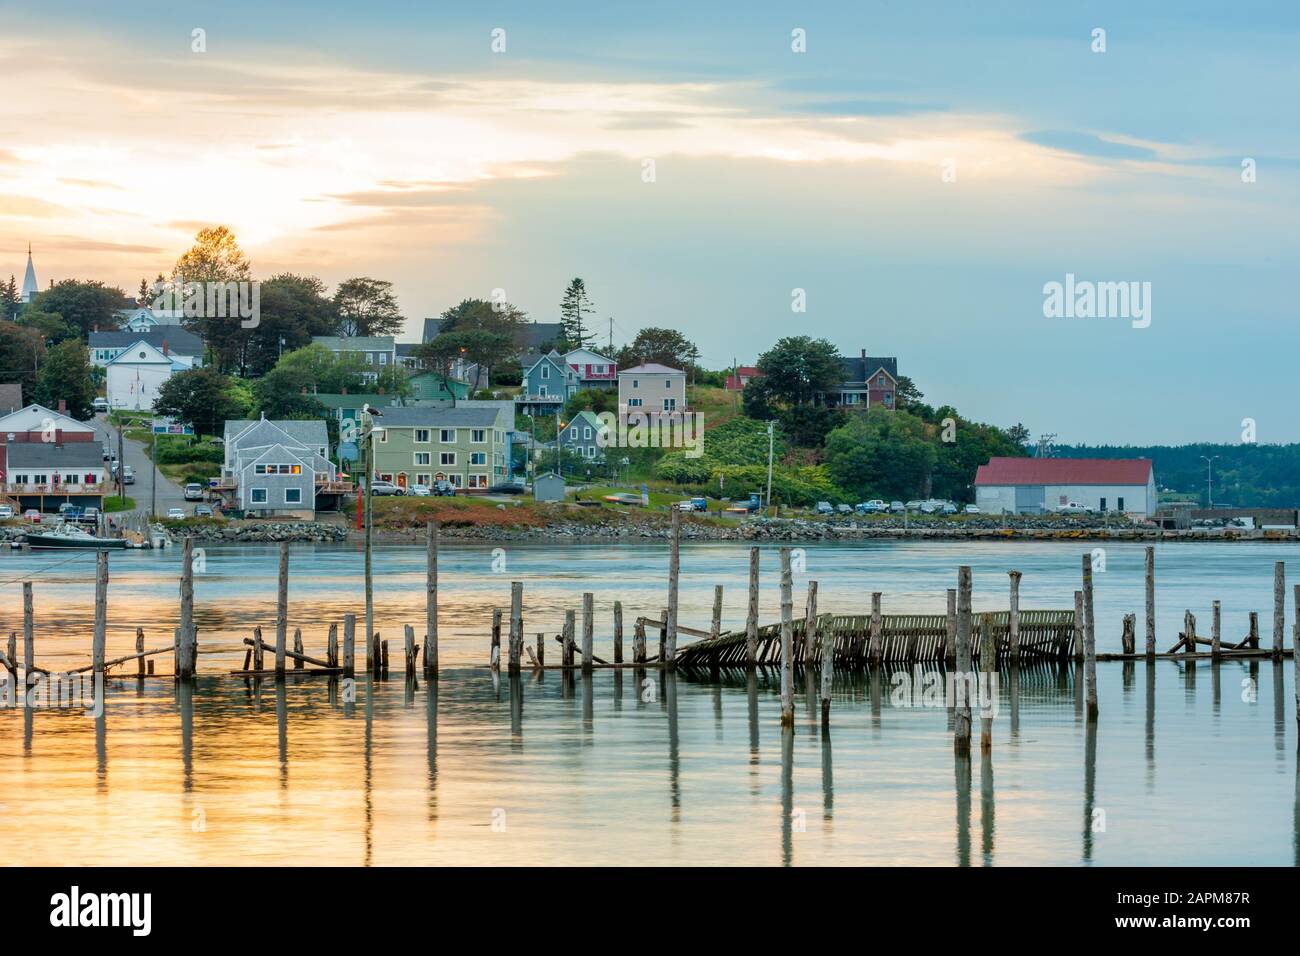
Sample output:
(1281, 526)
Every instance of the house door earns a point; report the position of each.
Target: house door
(401, 480)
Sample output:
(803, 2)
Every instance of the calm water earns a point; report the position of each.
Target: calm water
(604, 770)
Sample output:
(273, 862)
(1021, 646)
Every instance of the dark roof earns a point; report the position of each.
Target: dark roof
(859, 369)
(1064, 471)
(178, 339)
(45, 454)
(532, 335)
(11, 397)
(438, 417)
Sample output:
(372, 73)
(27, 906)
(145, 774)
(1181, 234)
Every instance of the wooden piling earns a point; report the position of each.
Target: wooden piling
(1215, 650)
(638, 642)
(587, 614)
(1128, 636)
(1078, 625)
(516, 626)
(1089, 641)
(876, 640)
(332, 645)
(810, 625)
(962, 715)
(618, 632)
(751, 616)
(566, 653)
(11, 660)
(101, 612)
(1279, 607)
(988, 664)
(1253, 636)
(297, 648)
(1189, 633)
(139, 649)
(826, 639)
(282, 609)
(431, 601)
(29, 636)
(1295, 657)
(674, 571)
(186, 661)
(1013, 622)
(715, 623)
(383, 654)
(349, 645)
(663, 635)
(787, 641)
(494, 649)
(257, 648)
(408, 648)
(541, 649)
(1151, 603)
(948, 653)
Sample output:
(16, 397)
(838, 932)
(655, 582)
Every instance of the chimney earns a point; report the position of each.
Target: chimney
(63, 407)
(381, 390)
(165, 351)
(864, 354)
(58, 438)
(343, 390)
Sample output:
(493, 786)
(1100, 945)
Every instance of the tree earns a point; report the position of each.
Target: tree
(11, 301)
(798, 370)
(663, 346)
(440, 353)
(906, 394)
(367, 306)
(286, 393)
(65, 376)
(202, 397)
(593, 399)
(48, 324)
(21, 352)
(486, 348)
(883, 453)
(327, 371)
(573, 306)
(293, 309)
(479, 315)
(214, 257)
(1019, 434)
(85, 306)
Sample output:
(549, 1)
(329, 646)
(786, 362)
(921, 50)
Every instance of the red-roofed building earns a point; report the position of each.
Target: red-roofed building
(1041, 485)
(741, 377)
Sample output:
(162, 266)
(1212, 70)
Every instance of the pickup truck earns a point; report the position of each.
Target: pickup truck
(693, 504)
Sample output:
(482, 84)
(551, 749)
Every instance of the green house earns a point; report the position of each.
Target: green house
(467, 447)
(348, 407)
(429, 386)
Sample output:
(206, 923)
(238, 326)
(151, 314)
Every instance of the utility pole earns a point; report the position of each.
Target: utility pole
(1209, 480)
(767, 502)
(153, 475)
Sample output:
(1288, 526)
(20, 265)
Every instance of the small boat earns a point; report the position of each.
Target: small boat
(70, 536)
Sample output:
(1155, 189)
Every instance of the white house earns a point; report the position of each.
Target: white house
(143, 318)
(172, 339)
(652, 387)
(1041, 485)
(138, 372)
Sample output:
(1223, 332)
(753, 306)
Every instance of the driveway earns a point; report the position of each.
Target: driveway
(168, 494)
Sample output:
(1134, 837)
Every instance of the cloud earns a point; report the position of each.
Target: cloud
(1088, 144)
(868, 108)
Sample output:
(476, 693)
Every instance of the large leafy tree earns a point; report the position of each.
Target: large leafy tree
(48, 324)
(287, 393)
(470, 315)
(440, 353)
(882, 452)
(21, 352)
(367, 306)
(575, 305)
(663, 346)
(293, 309)
(214, 257)
(798, 370)
(203, 397)
(85, 306)
(65, 376)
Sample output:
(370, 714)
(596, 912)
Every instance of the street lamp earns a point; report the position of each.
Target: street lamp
(370, 434)
(1209, 480)
(767, 502)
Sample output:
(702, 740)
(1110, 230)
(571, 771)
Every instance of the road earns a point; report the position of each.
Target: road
(168, 494)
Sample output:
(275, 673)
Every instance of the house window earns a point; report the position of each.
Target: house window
(91, 479)
(447, 435)
(20, 479)
(447, 458)
(636, 383)
(422, 480)
(72, 479)
(383, 358)
(573, 432)
(880, 380)
(370, 358)
(478, 481)
(422, 434)
(423, 458)
(1119, 504)
(383, 437)
(546, 371)
(889, 398)
(1103, 505)
(293, 496)
(541, 391)
(478, 435)
(454, 480)
(668, 383)
(41, 479)
(258, 496)
(670, 404)
(586, 433)
(478, 458)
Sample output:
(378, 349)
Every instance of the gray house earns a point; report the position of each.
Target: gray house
(276, 467)
(578, 437)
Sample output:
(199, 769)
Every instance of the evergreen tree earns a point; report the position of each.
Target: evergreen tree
(65, 375)
(574, 305)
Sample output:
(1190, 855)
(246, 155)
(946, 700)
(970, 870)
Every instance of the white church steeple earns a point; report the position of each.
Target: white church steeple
(30, 288)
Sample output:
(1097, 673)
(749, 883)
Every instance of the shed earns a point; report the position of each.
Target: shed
(548, 487)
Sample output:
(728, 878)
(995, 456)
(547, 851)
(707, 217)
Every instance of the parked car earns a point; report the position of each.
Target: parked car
(443, 489)
(128, 475)
(897, 507)
(108, 453)
(874, 506)
(203, 511)
(913, 505)
(693, 504)
(844, 509)
(824, 508)
(381, 487)
(419, 491)
(1072, 508)
(949, 508)
(175, 514)
(193, 491)
(6, 511)
(513, 487)
(928, 507)
(100, 405)
(972, 510)
(32, 515)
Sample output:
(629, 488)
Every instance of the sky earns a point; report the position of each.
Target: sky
(921, 171)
